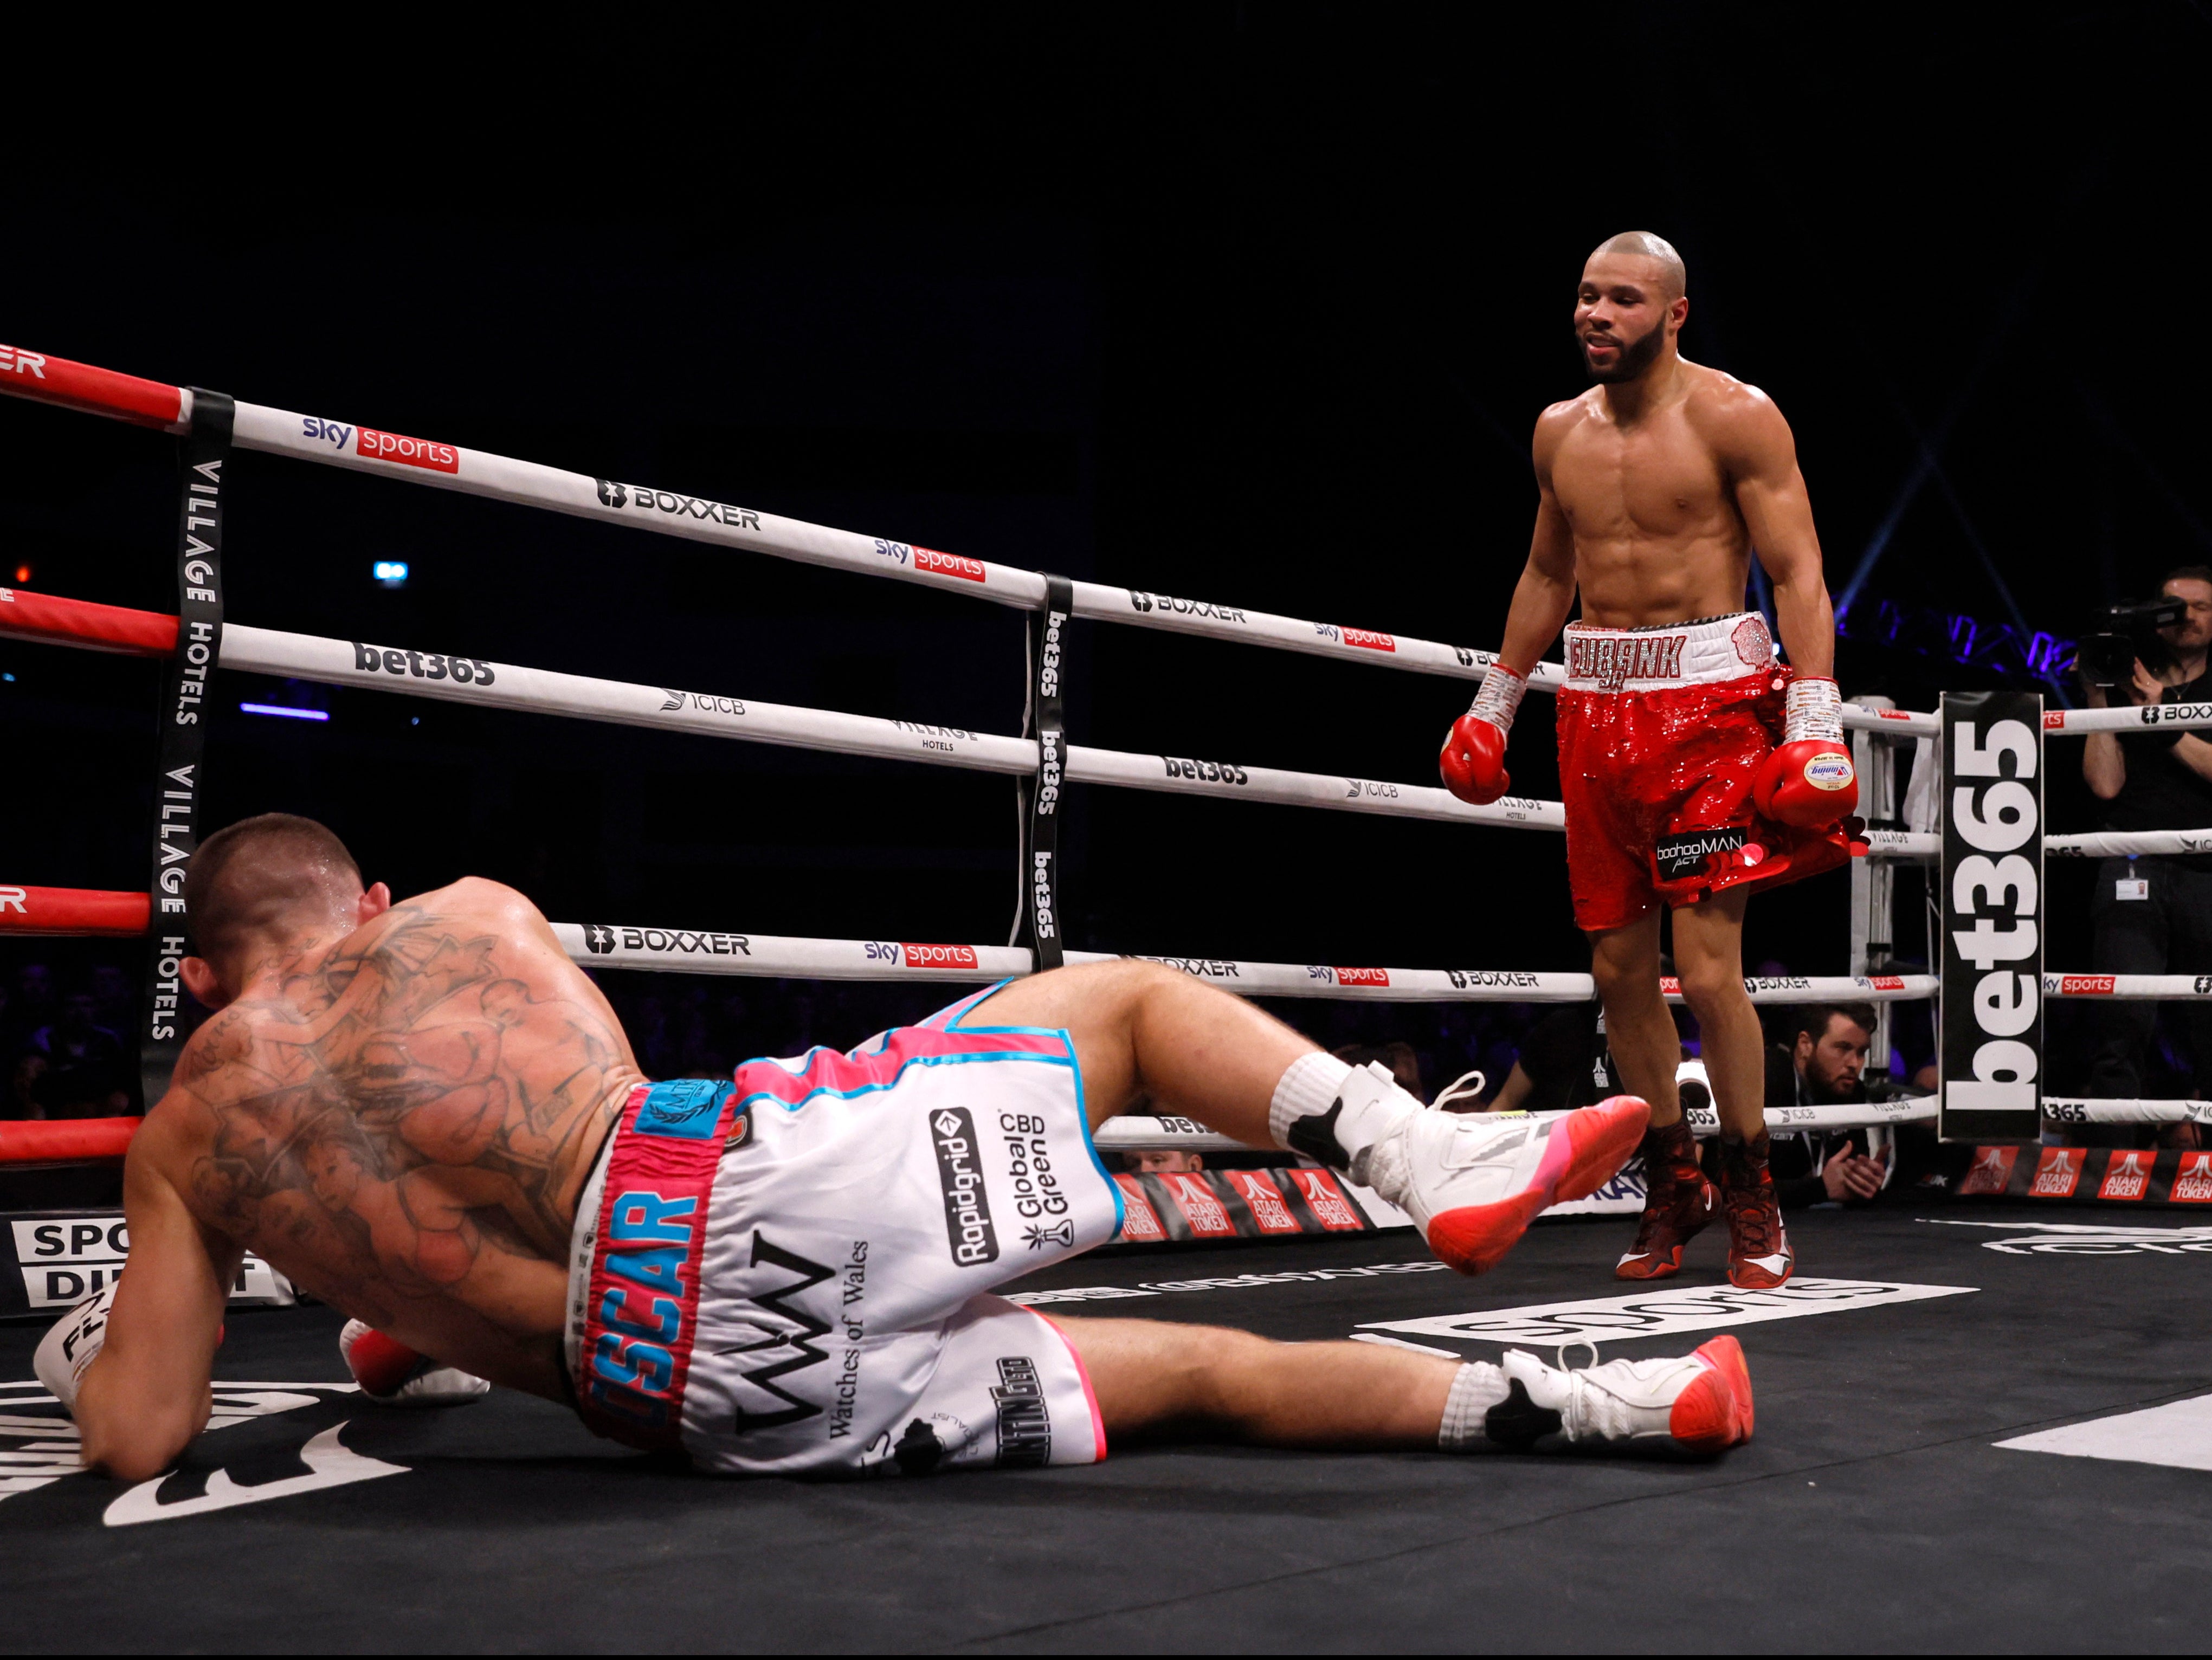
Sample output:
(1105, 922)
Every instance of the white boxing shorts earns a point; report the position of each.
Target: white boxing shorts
(789, 1274)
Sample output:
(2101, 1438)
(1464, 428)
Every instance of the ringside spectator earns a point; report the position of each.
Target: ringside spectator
(1823, 1063)
(2153, 914)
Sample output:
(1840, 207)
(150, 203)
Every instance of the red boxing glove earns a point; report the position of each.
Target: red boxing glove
(392, 1375)
(1809, 781)
(1473, 759)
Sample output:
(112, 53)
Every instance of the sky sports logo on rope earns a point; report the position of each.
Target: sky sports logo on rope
(930, 562)
(373, 445)
(1991, 886)
(1365, 639)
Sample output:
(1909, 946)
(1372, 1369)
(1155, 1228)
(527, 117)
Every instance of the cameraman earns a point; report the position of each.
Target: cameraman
(2153, 914)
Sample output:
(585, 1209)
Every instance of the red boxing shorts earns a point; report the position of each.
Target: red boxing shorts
(1661, 731)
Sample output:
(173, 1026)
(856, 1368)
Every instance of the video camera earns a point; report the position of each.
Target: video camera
(2123, 633)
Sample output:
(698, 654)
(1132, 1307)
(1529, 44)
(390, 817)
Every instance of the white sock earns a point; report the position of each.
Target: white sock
(1476, 1388)
(1307, 1089)
(1342, 1116)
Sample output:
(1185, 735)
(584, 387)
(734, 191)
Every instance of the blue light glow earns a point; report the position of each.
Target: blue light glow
(288, 713)
(390, 572)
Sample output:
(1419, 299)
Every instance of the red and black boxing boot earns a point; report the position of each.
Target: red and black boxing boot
(1759, 1258)
(1677, 1202)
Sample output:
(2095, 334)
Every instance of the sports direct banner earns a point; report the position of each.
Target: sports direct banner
(56, 1259)
(1992, 904)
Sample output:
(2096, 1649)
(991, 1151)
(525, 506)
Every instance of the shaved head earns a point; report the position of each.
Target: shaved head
(265, 881)
(1674, 278)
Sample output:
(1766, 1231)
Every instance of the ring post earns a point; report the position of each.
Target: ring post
(1872, 880)
(1039, 927)
(1990, 1016)
(184, 717)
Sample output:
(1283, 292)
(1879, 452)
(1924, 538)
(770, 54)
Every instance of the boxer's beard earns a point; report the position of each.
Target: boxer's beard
(1636, 355)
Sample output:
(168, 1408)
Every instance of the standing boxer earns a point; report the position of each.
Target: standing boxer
(1694, 766)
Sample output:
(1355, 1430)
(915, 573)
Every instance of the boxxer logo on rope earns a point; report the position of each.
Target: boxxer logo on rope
(1145, 604)
(601, 939)
(1475, 979)
(612, 495)
(422, 665)
(967, 1226)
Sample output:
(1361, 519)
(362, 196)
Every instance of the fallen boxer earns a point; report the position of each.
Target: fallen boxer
(1695, 768)
(429, 1118)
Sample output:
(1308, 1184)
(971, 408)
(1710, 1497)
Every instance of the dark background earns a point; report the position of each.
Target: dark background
(1254, 304)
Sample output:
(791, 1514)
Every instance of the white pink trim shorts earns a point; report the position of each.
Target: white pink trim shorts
(791, 1275)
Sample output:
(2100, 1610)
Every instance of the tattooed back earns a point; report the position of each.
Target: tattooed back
(402, 1123)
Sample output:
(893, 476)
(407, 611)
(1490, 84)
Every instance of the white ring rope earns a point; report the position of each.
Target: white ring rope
(2139, 987)
(477, 473)
(698, 950)
(504, 685)
(2072, 723)
(2127, 844)
(1925, 846)
(1134, 1133)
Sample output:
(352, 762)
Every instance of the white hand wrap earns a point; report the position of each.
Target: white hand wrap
(71, 1344)
(1498, 698)
(1812, 708)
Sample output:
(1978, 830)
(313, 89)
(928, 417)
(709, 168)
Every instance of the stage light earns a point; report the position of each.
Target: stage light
(286, 713)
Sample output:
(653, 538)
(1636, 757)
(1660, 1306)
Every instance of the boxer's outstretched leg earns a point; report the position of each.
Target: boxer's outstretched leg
(1471, 1186)
(1678, 1200)
(1151, 1377)
(1143, 1026)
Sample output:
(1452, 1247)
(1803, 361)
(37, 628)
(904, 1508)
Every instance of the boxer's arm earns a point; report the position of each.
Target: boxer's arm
(1545, 592)
(1761, 458)
(146, 1395)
